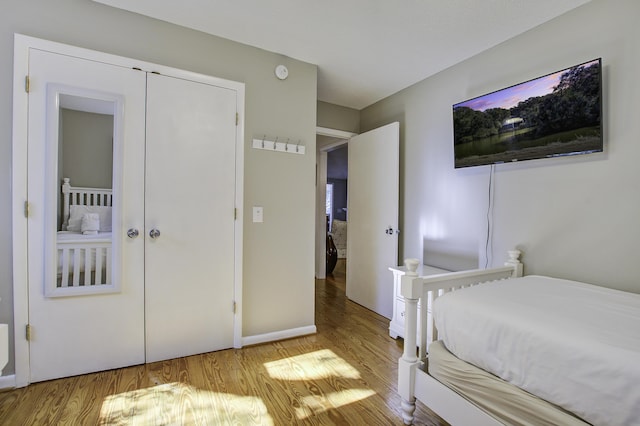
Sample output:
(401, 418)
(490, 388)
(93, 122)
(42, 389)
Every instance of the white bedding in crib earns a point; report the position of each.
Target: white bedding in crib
(573, 344)
(68, 237)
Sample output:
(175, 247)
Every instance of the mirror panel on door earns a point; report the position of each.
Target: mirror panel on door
(82, 131)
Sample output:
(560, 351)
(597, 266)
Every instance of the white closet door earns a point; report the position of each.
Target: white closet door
(80, 327)
(190, 193)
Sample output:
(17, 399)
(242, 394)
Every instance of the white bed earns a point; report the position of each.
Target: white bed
(522, 350)
(84, 241)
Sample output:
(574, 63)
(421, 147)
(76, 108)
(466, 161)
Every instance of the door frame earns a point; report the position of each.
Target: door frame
(19, 173)
(342, 137)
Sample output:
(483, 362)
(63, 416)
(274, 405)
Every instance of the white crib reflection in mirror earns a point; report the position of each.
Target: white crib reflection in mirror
(84, 241)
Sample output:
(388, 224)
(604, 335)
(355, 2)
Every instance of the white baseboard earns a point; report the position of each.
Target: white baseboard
(278, 335)
(8, 382)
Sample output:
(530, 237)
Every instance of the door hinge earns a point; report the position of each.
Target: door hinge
(27, 332)
(26, 83)
(234, 307)
(235, 213)
(26, 209)
(237, 118)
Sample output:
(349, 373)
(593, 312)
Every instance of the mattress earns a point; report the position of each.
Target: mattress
(504, 401)
(68, 237)
(573, 344)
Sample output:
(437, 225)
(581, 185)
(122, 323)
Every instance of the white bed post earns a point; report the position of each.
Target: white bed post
(411, 289)
(66, 190)
(514, 261)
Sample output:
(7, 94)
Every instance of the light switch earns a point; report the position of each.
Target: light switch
(257, 214)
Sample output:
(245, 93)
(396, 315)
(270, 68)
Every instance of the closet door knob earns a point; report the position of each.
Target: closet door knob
(390, 231)
(132, 233)
(154, 233)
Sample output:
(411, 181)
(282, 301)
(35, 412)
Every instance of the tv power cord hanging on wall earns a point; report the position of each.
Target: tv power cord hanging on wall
(488, 247)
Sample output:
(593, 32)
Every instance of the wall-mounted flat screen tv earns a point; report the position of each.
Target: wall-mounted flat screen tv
(556, 115)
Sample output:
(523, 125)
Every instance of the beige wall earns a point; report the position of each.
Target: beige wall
(279, 253)
(338, 117)
(572, 217)
(87, 148)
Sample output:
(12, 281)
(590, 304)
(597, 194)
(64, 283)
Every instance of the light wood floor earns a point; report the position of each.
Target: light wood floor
(343, 375)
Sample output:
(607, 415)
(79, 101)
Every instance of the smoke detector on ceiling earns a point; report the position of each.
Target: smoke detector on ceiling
(282, 72)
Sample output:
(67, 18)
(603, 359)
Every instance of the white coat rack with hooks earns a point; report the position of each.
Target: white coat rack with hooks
(278, 146)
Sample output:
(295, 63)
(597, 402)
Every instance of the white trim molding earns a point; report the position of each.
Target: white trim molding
(279, 335)
(334, 133)
(7, 382)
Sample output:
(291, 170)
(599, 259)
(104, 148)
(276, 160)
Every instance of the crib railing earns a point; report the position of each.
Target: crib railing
(88, 264)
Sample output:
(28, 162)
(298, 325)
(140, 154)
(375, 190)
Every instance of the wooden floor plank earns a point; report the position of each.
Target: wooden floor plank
(343, 375)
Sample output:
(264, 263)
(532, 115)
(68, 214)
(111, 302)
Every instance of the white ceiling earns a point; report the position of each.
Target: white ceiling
(365, 50)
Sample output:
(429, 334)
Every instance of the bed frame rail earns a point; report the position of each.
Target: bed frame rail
(76, 195)
(425, 290)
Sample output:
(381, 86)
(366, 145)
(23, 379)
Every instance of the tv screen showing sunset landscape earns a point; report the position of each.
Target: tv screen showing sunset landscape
(555, 115)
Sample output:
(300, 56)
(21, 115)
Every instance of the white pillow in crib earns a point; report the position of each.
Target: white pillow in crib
(90, 223)
(76, 212)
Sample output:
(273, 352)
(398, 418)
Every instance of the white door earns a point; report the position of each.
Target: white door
(190, 201)
(372, 206)
(79, 328)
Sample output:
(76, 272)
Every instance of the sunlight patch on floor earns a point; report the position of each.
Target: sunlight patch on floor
(315, 404)
(321, 364)
(181, 404)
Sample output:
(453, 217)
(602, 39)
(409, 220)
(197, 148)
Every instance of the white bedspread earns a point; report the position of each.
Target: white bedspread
(573, 344)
